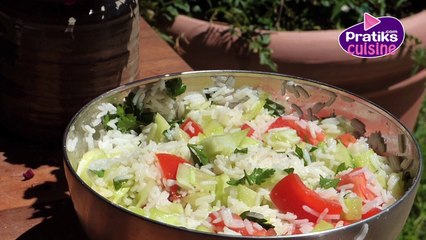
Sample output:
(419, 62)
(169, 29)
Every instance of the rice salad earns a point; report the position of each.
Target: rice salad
(232, 161)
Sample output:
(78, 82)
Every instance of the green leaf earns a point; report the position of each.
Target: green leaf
(258, 176)
(341, 167)
(299, 153)
(313, 149)
(99, 173)
(289, 170)
(118, 183)
(175, 87)
(198, 154)
(328, 182)
(241, 150)
(257, 218)
(274, 108)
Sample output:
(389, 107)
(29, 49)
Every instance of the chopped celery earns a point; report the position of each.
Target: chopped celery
(203, 228)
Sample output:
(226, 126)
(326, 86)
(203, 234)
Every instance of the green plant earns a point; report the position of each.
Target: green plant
(415, 227)
(248, 17)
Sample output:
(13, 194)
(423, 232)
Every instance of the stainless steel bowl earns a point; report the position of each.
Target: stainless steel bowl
(102, 219)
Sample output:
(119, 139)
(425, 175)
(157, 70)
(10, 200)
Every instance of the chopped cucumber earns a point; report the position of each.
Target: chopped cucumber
(224, 144)
(138, 211)
(343, 155)
(248, 141)
(164, 216)
(255, 110)
(203, 228)
(120, 194)
(364, 160)
(142, 197)
(159, 126)
(246, 195)
(192, 198)
(354, 206)
(396, 185)
(212, 128)
(221, 189)
(88, 157)
(281, 139)
(191, 178)
(322, 226)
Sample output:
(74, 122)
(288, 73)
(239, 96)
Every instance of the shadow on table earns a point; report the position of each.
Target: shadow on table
(52, 202)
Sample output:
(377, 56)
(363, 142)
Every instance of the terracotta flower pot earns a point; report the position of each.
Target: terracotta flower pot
(311, 54)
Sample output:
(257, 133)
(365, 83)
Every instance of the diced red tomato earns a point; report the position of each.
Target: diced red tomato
(219, 225)
(370, 213)
(191, 127)
(291, 194)
(347, 139)
(303, 133)
(169, 164)
(251, 130)
(360, 184)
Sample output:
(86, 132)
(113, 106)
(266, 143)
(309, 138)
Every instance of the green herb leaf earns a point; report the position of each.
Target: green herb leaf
(289, 170)
(257, 218)
(175, 87)
(341, 167)
(99, 173)
(198, 154)
(313, 149)
(328, 182)
(274, 108)
(118, 183)
(241, 150)
(258, 176)
(299, 153)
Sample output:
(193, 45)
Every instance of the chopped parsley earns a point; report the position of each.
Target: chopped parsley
(241, 150)
(198, 154)
(99, 173)
(175, 87)
(299, 153)
(289, 170)
(258, 176)
(328, 182)
(274, 108)
(257, 218)
(341, 167)
(118, 183)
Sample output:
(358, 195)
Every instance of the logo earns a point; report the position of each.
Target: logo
(375, 37)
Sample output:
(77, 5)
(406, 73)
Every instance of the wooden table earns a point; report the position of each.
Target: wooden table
(40, 208)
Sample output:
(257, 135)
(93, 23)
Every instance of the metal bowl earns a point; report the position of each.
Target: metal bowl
(103, 219)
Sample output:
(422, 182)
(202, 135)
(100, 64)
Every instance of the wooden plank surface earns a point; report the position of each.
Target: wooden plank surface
(40, 208)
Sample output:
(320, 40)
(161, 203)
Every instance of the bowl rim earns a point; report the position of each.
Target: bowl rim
(376, 107)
